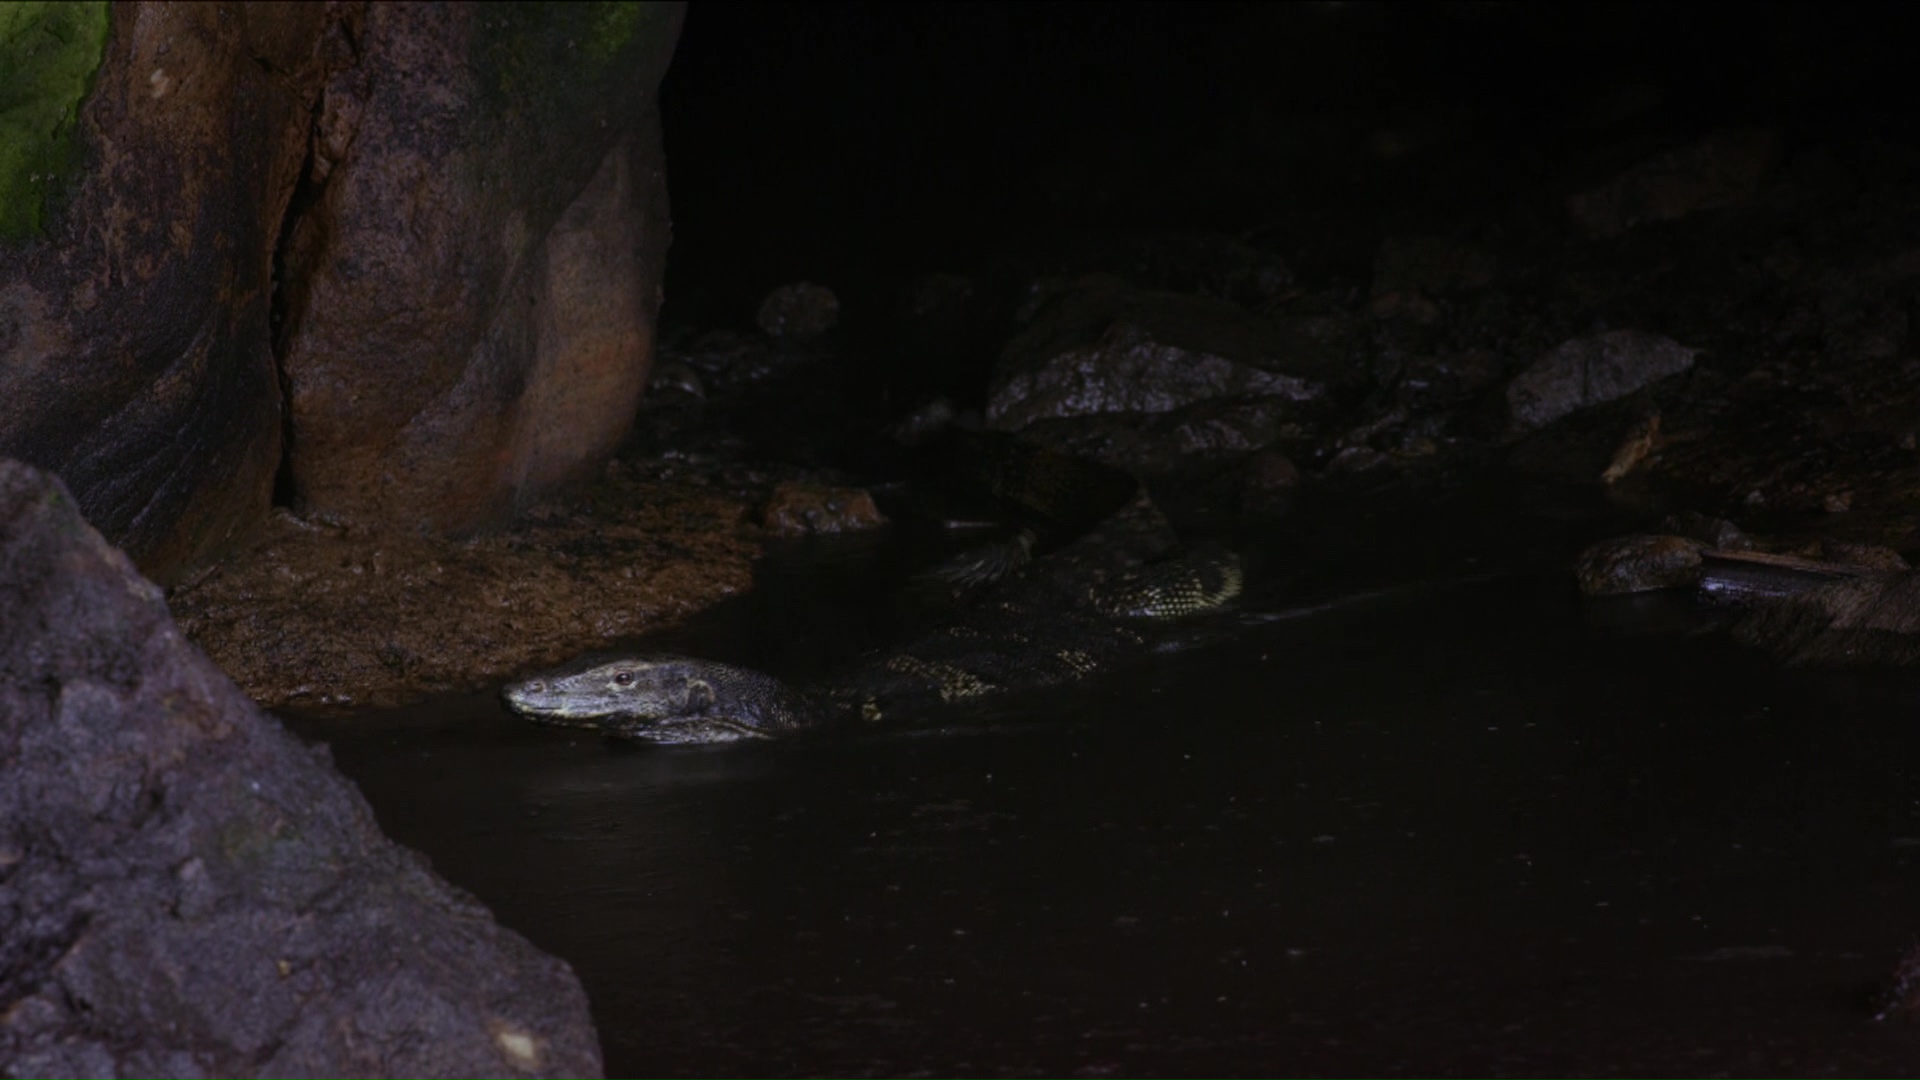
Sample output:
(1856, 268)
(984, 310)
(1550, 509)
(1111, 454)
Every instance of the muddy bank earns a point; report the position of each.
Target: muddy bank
(318, 615)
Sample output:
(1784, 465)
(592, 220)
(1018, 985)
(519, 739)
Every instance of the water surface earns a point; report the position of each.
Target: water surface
(1460, 828)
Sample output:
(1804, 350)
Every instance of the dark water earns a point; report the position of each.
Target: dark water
(1466, 829)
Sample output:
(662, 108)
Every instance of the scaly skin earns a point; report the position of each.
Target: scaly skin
(671, 700)
(676, 700)
(1036, 622)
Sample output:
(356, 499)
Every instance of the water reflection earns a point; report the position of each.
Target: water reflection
(1466, 828)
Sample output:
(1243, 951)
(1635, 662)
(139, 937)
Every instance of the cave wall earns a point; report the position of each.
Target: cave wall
(403, 257)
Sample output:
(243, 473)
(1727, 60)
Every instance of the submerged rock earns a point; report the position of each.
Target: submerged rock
(186, 889)
(1592, 371)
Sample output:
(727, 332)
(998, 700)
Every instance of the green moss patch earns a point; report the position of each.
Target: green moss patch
(569, 64)
(49, 50)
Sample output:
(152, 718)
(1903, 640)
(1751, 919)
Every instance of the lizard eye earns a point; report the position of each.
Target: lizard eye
(623, 678)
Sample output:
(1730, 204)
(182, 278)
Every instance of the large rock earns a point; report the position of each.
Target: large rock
(1585, 372)
(187, 890)
(472, 282)
(137, 231)
(1106, 349)
(440, 228)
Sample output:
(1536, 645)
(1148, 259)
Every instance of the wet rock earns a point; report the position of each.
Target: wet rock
(799, 509)
(1863, 622)
(1630, 564)
(1592, 371)
(1720, 170)
(1106, 348)
(134, 342)
(732, 365)
(189, 890)
(798, 313)
(471, 279)
(676, 377)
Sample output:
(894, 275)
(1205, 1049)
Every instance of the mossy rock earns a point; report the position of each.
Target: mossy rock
(49, 50)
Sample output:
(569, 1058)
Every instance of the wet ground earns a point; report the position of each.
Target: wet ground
(1465, 825)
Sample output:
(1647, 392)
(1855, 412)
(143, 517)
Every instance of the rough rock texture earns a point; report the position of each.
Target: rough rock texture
(797, 509)
(185, 889)
(48, 53)
(454, 214)
(1871, 621)
(471, 288)
(1592, 371)
(1638, 564)
(1106, 348)
(134, 357)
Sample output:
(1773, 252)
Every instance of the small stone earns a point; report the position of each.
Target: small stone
(1838, 502)
(798, 313)
(797, 509)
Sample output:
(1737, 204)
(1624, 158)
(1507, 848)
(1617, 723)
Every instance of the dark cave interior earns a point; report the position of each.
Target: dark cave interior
(1480, 832)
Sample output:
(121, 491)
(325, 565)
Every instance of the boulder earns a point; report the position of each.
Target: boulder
(1105, 348)
(472, 277)
(1585, 372)
(188, 890)
(423, 241)
(136, 258)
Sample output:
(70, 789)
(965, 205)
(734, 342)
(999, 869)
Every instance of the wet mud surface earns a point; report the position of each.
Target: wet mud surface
(318, 615)
(1465, 824)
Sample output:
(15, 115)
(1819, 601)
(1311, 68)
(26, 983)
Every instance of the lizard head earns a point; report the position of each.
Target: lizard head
(659, 699)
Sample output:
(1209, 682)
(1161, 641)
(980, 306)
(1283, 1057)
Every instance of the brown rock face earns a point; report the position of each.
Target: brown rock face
(461, 255)
(187, 890)
(134, 355)
(472, 288)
